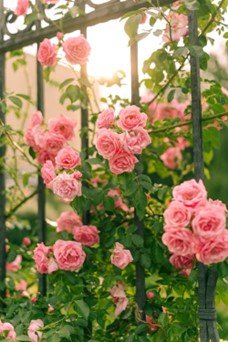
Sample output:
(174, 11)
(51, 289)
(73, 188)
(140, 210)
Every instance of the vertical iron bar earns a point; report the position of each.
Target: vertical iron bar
(206, 276)
(2, 171)
(41, 186)
(140, 272)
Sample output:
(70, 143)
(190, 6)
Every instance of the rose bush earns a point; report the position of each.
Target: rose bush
(120, 206)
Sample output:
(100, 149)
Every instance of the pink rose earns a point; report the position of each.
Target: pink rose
(47, 53)
(177, 215)
(86, 235)
(8, 330)
(178, 24)
(182, 262)
(26, 241)
(15, 265)
(151, 323)
(44, 260)
(105, 119)
(209, 221)
(163, 111)
(131, 118)
(119, 298)
(150, 295)
(122, 161)
(48, 172)
(172, 157)
(67, 221)
(213, 250)
(69, 255)
(43, 156)
(135, 141)
(121, 257)
(53, 142)
(62, 126)
(191, 193)
(22, 7)
(180, 241)
(182, 143)
(216, 203)
(77, 50)
(108, 143)
(21, 286)
(34, 328)
(67, 158)
(66, 187)
(37, 119)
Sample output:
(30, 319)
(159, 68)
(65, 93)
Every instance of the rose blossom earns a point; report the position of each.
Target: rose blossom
(53, 142)
(66, 186)
(9, 330)
(67, 221)
(181, 262)
(119, 298)
(177, 215)
(171, 157)
(163, 111)
(67, 158)
(179, 241)
(116, 194)
(21, 286)
(131, 118)
(179, 27)
(15, 265)
(122, 161)
(48, 172)
(22, 7)
(108, 143)
(43, 156)
(212, 250)
(209, 221)
(86, 235)
(77, 50)
(135, 141)
(216, 203)
(63, 126)
(44, 260)
(191, 193)
(121, 257)
(47, 53)
(33, 330)
(150, 295)
(37, 119)
(26, 241)
(105, 119)
(151, 323)
(69, 255)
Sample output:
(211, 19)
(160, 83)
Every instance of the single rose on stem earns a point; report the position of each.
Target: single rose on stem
(34, 328)
(77, 50)
(67, 221)
(47, 55)
(121, 257)
(119, 298)
(69, 255)
(7, 330)
(86, 235)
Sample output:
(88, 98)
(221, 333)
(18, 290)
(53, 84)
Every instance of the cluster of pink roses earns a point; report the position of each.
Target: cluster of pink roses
(120, 148)
(195, 227)
(76, 50)
(58, 159)
(71, 222)
(63, 255)
(176, 27)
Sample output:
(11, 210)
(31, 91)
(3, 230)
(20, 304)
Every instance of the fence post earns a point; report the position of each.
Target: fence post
(207, 277)
(2, 171)
(140, 272)
(41, 186)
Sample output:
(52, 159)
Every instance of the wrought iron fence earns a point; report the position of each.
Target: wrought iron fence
(35, 32)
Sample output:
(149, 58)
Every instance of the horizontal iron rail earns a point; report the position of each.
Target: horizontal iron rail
(101, 14)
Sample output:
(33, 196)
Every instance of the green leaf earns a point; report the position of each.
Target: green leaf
(171, 95)
(131, 25)
(137, 240)
(16, 101)
(82, 308)
(66, 82)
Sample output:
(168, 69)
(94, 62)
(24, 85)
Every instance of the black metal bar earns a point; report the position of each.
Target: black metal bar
(140, 272)
(41, 186)
(206, 276)
(2, 171)
(103, 13)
